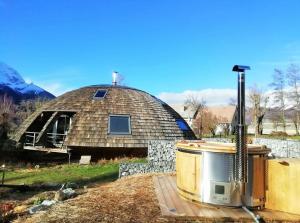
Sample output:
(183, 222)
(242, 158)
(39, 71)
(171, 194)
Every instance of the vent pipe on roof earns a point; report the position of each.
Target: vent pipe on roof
(114, 78)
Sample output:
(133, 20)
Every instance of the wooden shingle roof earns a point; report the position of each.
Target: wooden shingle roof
(150, 117)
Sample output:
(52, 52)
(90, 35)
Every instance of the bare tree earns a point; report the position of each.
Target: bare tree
(293, 77)
(275, 118)
(278, 84)
(198, 106)
(27, 107)
(226, 126)
(207, 121)
(210, 122)
(232, 102)
(258, 108)
(7, 116)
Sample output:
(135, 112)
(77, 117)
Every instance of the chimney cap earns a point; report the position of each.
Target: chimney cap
(240, 68)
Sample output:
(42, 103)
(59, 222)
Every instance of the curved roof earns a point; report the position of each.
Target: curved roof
(150, 117)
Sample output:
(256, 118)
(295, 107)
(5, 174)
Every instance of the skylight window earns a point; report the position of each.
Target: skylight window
(182, 125)
(100, 93)
(119, 125)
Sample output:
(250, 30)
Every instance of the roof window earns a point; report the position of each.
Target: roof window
(100, 93)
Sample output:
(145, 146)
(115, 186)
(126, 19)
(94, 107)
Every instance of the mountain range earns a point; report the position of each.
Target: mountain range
(13, 85)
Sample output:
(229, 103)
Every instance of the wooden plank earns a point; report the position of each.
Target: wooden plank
(283, 191)
(165, 187)
(161, 199)
(183, 205)
(48, 150)
(167, 202)
(172, 196)
(278, 216)
(168, 196)
(220, 147)
(258, 185)
(45, 127)
(188, 180)
(85, 160)
(198, 209)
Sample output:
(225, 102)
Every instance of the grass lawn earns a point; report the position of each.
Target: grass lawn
(80, 174)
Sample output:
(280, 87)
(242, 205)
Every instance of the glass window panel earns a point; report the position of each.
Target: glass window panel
(100, 94)
(182, 125)
(119, 124)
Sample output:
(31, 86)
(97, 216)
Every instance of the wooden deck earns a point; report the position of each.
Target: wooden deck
(48, 150)
(171, 204)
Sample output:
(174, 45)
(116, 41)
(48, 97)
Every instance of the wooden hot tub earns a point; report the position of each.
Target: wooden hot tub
(205, 173)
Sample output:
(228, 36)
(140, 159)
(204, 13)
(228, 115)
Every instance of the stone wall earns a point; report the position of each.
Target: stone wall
(161, 158)
(280, 148)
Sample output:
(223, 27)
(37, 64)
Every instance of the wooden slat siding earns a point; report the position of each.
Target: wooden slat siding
(45, 127)
(258, 187)
(149, 118)
(188, 180)
(283, 185)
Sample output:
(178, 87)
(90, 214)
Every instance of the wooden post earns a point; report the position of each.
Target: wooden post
(69, 154)
(33, 143)
(3, 174)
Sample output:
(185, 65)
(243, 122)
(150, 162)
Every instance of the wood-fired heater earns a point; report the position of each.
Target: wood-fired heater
(224, 173)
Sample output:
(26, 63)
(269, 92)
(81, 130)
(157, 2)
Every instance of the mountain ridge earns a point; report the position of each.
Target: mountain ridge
(13, 85)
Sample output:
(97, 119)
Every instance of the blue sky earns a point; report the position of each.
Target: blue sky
(168, 48)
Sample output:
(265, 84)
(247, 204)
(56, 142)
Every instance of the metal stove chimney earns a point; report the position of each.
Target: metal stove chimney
(241, 157)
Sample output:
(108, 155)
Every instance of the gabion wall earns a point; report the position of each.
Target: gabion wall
(161, 158)
(280, 148)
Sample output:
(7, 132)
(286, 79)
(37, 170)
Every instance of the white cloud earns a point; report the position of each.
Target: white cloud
(54, 88)
(28, 80)
(210, 95)
(56, 81)
(63, 73)
(281, 64)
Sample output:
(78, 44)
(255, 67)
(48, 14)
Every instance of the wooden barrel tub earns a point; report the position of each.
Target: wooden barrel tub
(194, 184)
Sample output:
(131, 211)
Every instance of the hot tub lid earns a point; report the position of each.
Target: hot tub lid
(218, 147)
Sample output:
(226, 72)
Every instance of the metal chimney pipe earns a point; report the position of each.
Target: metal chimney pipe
(241, 155)
(241, 158)
(114, 77)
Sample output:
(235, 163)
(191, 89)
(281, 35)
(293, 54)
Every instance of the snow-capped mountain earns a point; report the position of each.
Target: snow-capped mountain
(12, 84)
